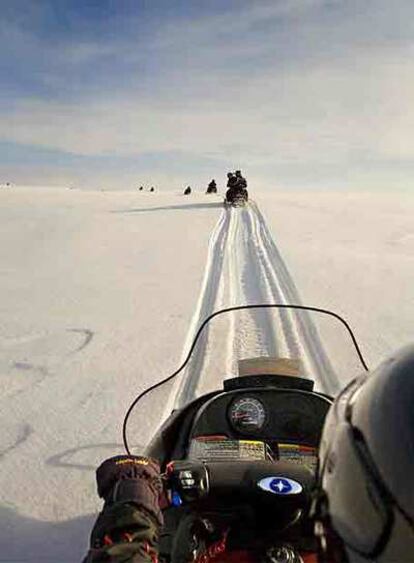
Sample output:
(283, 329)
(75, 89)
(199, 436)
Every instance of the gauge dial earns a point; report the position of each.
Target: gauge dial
(247, 414)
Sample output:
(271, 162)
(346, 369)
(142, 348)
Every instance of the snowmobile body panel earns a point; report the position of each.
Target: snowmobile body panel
(300, 418)
(237, 197)
(236, 202)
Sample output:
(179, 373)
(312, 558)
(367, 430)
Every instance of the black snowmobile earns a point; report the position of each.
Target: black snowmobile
(239, 462)
(237, 197)
(212, 187)
(237, 194)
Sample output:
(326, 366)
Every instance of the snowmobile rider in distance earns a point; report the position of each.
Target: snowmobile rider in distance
(363, 509)
(237, 186)
(231, 180)
(241, 181)
(212, 187)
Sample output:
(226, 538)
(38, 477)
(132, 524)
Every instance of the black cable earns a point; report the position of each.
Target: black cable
(227, 310)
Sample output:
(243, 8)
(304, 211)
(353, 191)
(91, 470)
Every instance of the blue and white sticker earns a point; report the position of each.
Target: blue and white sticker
(280, 486)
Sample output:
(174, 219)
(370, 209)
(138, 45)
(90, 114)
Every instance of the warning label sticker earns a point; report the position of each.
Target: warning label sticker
(208, 448)
(302, 455)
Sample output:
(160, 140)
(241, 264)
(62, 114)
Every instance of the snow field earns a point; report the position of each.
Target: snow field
(98, 291)
(103, 291)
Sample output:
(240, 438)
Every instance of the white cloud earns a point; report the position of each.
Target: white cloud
(327, 112)
(317, 87)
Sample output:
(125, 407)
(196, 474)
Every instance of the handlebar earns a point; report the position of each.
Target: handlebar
(268, 482)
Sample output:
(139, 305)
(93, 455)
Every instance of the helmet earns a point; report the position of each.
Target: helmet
(238, 172)
(364, 509)
(229, 174)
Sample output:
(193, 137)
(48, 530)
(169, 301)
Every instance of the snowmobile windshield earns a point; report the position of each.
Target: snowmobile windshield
(297, 341)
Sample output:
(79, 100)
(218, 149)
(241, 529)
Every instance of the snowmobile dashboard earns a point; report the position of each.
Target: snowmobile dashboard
(284, 421)
(268, 414)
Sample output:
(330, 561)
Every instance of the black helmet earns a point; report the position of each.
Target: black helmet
(229, 174)
(364, 509)
(238, 172)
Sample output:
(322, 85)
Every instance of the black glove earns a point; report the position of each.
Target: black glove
(133, 479)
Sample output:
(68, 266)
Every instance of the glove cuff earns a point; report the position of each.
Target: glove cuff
(131, 479)
(138, 492)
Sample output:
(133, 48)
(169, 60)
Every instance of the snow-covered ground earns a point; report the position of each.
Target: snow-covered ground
(101, 292)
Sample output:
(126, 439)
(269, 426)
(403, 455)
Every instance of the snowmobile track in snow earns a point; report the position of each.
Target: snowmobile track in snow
(244, 266)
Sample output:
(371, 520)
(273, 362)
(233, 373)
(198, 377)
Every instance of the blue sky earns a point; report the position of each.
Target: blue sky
(298, 93)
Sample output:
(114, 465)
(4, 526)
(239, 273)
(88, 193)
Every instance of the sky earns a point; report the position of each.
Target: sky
(296, 93)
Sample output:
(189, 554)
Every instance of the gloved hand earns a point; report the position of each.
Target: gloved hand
(131, 479)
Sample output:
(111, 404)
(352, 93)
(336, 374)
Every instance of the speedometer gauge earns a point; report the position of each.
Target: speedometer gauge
(247, 414)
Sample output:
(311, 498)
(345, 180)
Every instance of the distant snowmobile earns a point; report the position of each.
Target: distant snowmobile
(187, 190)
(237, 194)
(212, 187)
